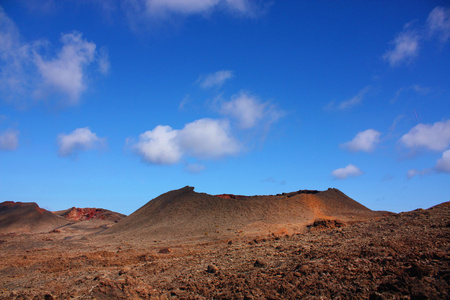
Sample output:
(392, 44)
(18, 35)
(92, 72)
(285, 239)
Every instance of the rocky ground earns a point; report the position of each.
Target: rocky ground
(404, 256)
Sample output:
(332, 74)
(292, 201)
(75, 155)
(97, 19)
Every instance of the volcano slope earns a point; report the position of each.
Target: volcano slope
(185, 214)
(19, 217)
(397, 256)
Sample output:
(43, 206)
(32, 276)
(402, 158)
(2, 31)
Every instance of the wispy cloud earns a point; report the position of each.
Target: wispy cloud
(364, 141)
(165, 8)
(201, 139)
(415, 87)
(216, 79)
(9, 139)
(435, 137)
(405, 47)
(249, 111)
(273, 180)
(415, 172)
(347, 104)
(30, 70)
(443, 164)
(64, 73)
(348, 171)
(194, 168)
(81, 139)
(438, 23)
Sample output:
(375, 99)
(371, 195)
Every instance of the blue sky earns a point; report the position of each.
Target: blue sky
(111, 103)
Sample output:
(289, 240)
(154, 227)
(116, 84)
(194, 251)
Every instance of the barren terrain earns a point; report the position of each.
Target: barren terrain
(384, 256)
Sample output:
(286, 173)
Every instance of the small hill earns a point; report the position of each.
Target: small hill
(185, 213)
(82, 214)
(22, 217)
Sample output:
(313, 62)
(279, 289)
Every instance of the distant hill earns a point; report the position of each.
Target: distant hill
(185, 213)
(21, 217)
(83, 214)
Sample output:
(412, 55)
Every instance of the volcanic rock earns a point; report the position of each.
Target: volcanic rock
(183, 214)
(83, 214)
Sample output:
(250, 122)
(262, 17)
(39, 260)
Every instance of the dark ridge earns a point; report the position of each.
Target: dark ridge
(230, 196)
(311, 192)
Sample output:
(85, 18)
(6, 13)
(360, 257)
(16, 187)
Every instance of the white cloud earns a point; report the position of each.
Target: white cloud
(249, 111)
(357, 99)
(405, 48)
(9, 139)
(348, 171)
(26, 73)
(65, 72)
(159, 146)
(443, 164)
(163, 8)
(406, 45)
(434, 137)
(438, 23)
(216, 79)
(202, 139)
(363, 141)
(78, 140)
(208, 138)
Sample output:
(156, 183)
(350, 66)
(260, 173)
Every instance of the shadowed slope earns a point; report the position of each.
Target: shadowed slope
(19, 217)
(184, 213)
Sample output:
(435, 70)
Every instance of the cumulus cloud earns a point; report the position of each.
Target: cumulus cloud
(438, 23)
(363, 141)
(435, 137)
(443, 164)
(9, 139)
(216, 79)
(159, 146)
(349, 171)
(208, 138)
(163, 8)
(347, 104)
(80, 139)
(202, 139)
(405, 47)
(249, 111)
(27, 73)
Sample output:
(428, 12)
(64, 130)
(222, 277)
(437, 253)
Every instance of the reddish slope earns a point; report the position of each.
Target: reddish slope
(83, 214)
(20, 217)
(184, 213)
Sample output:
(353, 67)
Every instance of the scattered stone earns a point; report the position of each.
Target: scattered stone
(165, 250)
(212, 269)
(259, 264)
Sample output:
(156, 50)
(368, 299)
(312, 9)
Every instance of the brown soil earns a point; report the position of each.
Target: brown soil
(391, 256)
